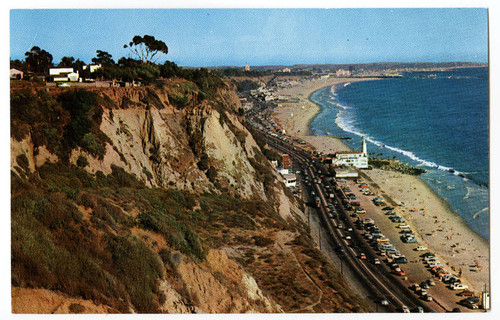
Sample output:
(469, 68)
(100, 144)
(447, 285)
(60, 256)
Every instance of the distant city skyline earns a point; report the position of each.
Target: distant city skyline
(233, 37)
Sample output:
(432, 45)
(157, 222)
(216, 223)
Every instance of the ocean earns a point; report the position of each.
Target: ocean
(438, 121)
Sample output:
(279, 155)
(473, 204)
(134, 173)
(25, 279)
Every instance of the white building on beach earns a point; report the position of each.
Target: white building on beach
(358, 159)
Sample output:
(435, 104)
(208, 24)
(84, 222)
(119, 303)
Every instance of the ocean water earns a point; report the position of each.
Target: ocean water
(438, 121)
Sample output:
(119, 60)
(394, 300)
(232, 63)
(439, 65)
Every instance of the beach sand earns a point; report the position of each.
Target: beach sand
(441, 230)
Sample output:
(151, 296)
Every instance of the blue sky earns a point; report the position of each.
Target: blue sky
(211, 37)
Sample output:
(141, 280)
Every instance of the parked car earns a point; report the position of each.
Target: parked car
(376, 261)
(415, 287)
(469, 303)
(362, 256)
(427, 297)
(424, 285)
(431, 282)
(466, 293)
(359, 210)
(405, 309)
(420, 309)
(399, 272)
(421, 248)
(401, 260)
(458, 286)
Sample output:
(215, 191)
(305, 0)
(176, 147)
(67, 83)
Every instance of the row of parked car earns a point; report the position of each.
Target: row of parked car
(383, 246)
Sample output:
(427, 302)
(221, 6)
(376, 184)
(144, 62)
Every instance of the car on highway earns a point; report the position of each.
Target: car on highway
(383, 301)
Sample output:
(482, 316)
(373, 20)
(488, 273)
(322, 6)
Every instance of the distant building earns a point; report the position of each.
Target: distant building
(247, 67)
(344, 172)
(16, 74)
(286, 70)
(63, 74)
(92, 67)
(290, 180)
(343, 73)
(358, 159)
(285, 169)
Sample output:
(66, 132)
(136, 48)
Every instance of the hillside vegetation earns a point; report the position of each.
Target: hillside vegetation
(155, 199)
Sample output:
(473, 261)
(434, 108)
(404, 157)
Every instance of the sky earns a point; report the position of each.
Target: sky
(214, 37)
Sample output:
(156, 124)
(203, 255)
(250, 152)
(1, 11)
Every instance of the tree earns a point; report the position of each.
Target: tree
(38, 60)
(66, 62)
(103, 58)
(169, 69)
(18, 64)
(145, 48)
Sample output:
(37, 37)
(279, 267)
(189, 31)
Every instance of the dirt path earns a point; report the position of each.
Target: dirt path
(282, 238)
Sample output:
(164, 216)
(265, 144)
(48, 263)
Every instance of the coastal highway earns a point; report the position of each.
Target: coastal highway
(376, 278)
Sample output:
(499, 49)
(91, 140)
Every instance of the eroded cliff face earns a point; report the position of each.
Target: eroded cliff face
(162, 145)
(169, 202)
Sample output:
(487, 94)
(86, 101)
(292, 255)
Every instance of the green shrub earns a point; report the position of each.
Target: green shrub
(203, 163)
(262, 241)
(82, 161)
(90, 143)
(76, 308)
(139, 268)
(211, 174)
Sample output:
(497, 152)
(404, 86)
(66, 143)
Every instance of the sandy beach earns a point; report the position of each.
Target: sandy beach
(444, 232)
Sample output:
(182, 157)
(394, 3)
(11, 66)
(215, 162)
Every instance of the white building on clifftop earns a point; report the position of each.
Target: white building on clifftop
(358, 159)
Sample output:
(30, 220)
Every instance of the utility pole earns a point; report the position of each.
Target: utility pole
(341, 266)
(319, 226)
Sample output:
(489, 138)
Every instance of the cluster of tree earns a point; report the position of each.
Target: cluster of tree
(144, 68)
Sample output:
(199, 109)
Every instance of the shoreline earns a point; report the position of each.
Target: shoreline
(445, 232)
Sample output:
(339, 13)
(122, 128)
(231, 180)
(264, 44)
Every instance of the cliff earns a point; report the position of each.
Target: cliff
(154, 199)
